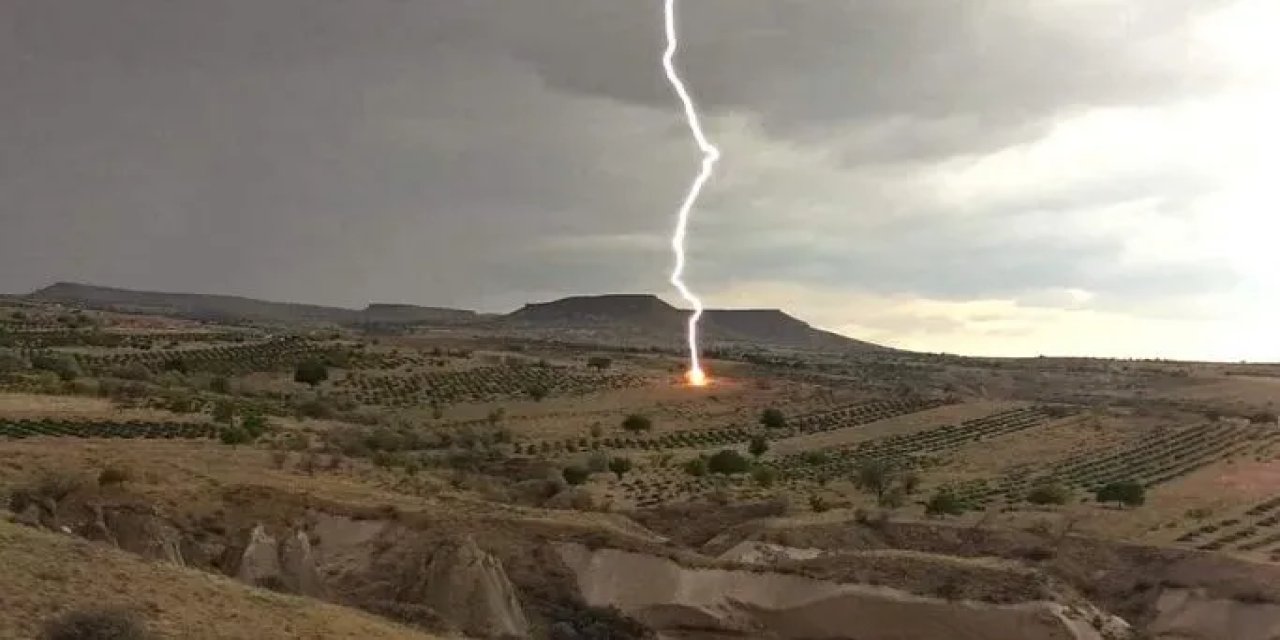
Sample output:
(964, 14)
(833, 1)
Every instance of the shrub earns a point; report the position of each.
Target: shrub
(224, 412)
(220, 384)
(255, 424)
(575, 475)
(113, 476)
(133, 371)
(1263, 417)
(696, 467)
(278, 458)
(944, 503)
(63, 365)
(1127, 493)
(728, 462)
(95, 624)
(598, 362)
(11, 361)
(620, 466)
(636, 423)
(818, 504)
(234, 436)
(758, 447)
(176, 364)
(772, 418)
(317, 409)
(764, 476)
(887, 482)
(537, 392)
(1049, 492)
(598, 463)
(311, 372)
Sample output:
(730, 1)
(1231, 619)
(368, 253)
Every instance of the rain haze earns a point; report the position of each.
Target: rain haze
(1005, 178)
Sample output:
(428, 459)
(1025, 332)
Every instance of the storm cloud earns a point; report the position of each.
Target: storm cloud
(486, 153)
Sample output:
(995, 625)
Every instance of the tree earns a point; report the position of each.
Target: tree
(636, 423)
(728, 462)
(758, 447)
(772, 418)
(1127, 492)
(620, 466)
(537, 392)
(64, 365)
(1049, 492)
(234, 436)
(875, 477)
(764, 476)
(944, 503)
(311, 372)
(575, 475)
(175, 364)
(599, 362)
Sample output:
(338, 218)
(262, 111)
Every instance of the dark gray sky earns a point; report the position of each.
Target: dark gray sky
(974, 176)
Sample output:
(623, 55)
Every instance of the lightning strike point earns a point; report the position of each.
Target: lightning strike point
(710, 154)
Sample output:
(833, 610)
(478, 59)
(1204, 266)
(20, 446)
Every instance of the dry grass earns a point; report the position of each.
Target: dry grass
(33, 406)
(48, 574)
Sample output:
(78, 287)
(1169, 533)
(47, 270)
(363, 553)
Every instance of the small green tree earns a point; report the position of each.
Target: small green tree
(311, 372)
(575, 475)
(234, 436)
(773, 418)
(764, 476)
(1049, 492)
(620, 466)
(1127, 493)
(255, 424)
(637, 423)
(728, 462)
(944, 503)
(758, 447)
(875, 477)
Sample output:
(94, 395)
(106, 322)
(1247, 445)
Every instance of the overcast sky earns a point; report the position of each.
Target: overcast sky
(982, 176)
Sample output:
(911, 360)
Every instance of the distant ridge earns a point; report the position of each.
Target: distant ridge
(614, 318)
(221, 308)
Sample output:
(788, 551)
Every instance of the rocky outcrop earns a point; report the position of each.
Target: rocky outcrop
(674, 599)
(298, 566)
(260, 560)
(1193, 614)
(142, 532)
(469, 588)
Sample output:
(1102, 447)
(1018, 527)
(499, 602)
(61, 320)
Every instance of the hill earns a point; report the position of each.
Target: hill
(637, 316)
(222, 308)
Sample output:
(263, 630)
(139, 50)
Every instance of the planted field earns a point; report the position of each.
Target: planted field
(846, 417)
(912, 449)
(1257, 530)
(270, 355)
(479, 384)
(50, 338)
(1158, 457)
(104, 429)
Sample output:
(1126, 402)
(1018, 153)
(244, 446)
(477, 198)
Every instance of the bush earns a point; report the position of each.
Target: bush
(758, 447)
(764, 476)
(599, 362)
(1048, 493)
(944, 503)
(1127, 493)
(818, 504)
(133, 371)
(95, 624)
(220, 384)
(1263, 417)
(63, 365)
(278, 458)
(728, 462)
(598, 463)
(620, 466)
(317, 409)
(537, 392)
(772, 418)
(575, 475)
(113, 476)
(234, 436)
(224, 412)
(311, 372)
(176, 364)
(10, 361)
(255, 424)
(636, 423)
(696, 467)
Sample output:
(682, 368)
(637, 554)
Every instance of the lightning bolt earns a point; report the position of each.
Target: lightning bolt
(696, 376)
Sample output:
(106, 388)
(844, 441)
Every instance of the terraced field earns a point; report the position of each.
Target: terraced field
(478, 384)
(1257, 530)
(104, 429)
(1158, 457)
(270, 355)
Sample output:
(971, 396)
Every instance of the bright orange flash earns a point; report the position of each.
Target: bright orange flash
(696, 376)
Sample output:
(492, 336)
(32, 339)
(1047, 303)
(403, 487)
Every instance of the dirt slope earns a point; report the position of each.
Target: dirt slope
(46, 574)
